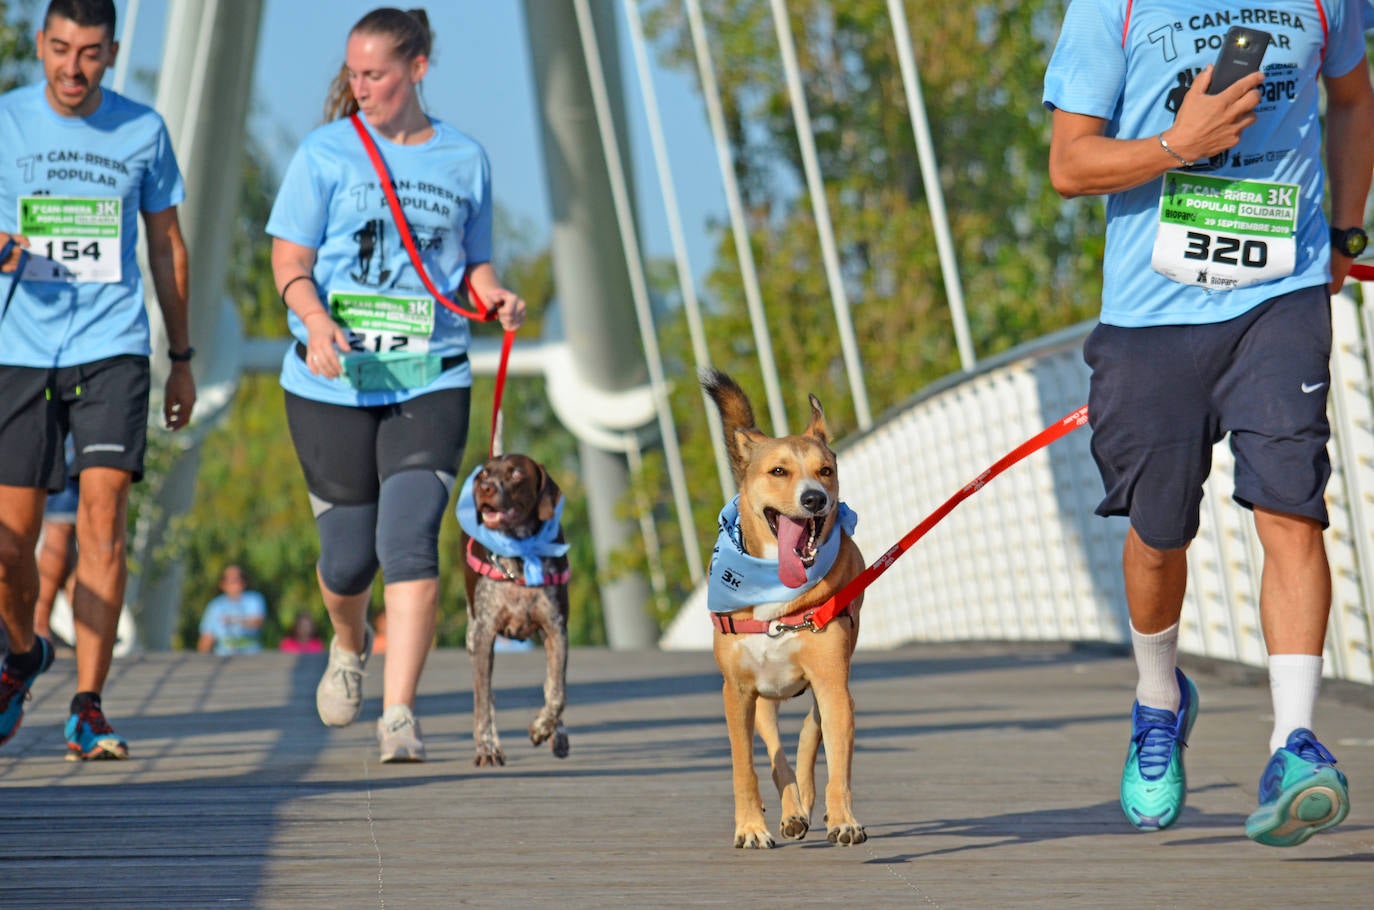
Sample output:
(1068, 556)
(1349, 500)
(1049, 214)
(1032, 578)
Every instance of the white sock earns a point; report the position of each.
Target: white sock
(1294, 680)
(1156, 656)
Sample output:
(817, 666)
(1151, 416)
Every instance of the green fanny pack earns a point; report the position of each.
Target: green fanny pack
(391, 370)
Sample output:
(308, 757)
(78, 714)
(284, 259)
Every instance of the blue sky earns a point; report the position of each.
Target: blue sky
(480, 81)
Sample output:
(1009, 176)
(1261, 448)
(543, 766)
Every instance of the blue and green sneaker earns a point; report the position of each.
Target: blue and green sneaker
(90, 736)
(14, 689)
(1300, 793)
(1154, 785)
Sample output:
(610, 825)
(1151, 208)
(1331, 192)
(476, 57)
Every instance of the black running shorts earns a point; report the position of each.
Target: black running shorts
(104, 405)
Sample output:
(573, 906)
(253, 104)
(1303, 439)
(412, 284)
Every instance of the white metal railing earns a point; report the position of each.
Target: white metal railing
(1027, 559)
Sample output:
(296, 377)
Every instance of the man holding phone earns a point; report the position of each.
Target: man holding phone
(1215, 319)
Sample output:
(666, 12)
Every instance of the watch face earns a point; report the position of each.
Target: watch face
(1349, 241)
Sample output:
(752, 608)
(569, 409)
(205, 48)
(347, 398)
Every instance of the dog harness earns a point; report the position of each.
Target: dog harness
(531, 550)
(792, 622)
(493, 569)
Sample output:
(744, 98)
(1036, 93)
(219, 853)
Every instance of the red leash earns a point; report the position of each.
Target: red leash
(816, 619)
(483, 313)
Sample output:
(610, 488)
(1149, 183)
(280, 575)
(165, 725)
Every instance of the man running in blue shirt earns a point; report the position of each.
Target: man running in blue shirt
(81, 164)
(1216, 320)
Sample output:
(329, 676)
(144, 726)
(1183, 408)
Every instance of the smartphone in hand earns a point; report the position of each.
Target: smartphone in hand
(1241, 52)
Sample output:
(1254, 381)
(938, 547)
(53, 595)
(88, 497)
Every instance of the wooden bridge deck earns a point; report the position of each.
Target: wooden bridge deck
(986, 776)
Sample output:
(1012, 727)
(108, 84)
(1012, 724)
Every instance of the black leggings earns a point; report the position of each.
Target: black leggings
(379, 480)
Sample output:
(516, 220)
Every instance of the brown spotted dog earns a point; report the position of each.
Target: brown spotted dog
(515, 498)
(789, 510)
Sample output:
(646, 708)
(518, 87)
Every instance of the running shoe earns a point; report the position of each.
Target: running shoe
(398, 735)
(91, 738)
(1154, 785)
(1300, 793)
(339, 696)
(14, 690)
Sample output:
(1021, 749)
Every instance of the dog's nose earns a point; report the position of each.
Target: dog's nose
(813, 501)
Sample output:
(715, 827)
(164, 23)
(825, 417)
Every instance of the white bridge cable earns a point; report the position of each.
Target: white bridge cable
(658, 580)
(639, 289)
(744, 252)
(930, 176)
(126, 44)
(204, 43)
(686, 282)
(806, 139)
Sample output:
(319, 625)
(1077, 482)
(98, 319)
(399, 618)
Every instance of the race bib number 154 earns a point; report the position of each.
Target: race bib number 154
(72, 239)
(1221, 234)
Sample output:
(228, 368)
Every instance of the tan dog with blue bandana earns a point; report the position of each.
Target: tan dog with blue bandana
(785, 547)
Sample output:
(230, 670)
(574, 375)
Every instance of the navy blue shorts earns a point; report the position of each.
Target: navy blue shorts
(61, 507)
(103, 405)
(1162, 396)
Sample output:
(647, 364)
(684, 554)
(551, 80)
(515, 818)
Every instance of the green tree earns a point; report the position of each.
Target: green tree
(18, 64)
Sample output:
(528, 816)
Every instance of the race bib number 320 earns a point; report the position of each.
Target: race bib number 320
(1221, 234)
(72, 239)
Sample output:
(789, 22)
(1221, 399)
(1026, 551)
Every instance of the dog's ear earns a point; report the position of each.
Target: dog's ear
(741, 448)
(817, 426)
(736, 416)
(549, 494)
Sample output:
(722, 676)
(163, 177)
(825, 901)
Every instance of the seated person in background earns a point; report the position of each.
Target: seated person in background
(301, 638)
(232, 623)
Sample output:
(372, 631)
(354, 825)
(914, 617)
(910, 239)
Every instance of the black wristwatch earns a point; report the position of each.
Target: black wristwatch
(181, 356)
(1349, 241)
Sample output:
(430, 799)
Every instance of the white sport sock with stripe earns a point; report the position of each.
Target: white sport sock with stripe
(1294, 681)
(1156, 656)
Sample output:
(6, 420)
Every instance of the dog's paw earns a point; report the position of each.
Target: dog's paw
(795, 827)
(847, 835)
(488, 757)
(560, 745)
(542, 728)
(753, 838)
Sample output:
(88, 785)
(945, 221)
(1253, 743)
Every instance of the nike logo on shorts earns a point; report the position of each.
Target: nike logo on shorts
(1309, 387)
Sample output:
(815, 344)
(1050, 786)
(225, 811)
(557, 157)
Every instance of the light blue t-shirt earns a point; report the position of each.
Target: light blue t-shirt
(227, 620)
(332, 202)
(120, 152)
(1134, 77)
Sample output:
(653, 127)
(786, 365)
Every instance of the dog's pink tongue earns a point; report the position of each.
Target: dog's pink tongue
(791, 572)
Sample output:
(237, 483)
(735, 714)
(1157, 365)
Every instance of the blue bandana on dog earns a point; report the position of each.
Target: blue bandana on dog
(737, 580)
(531, 550)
